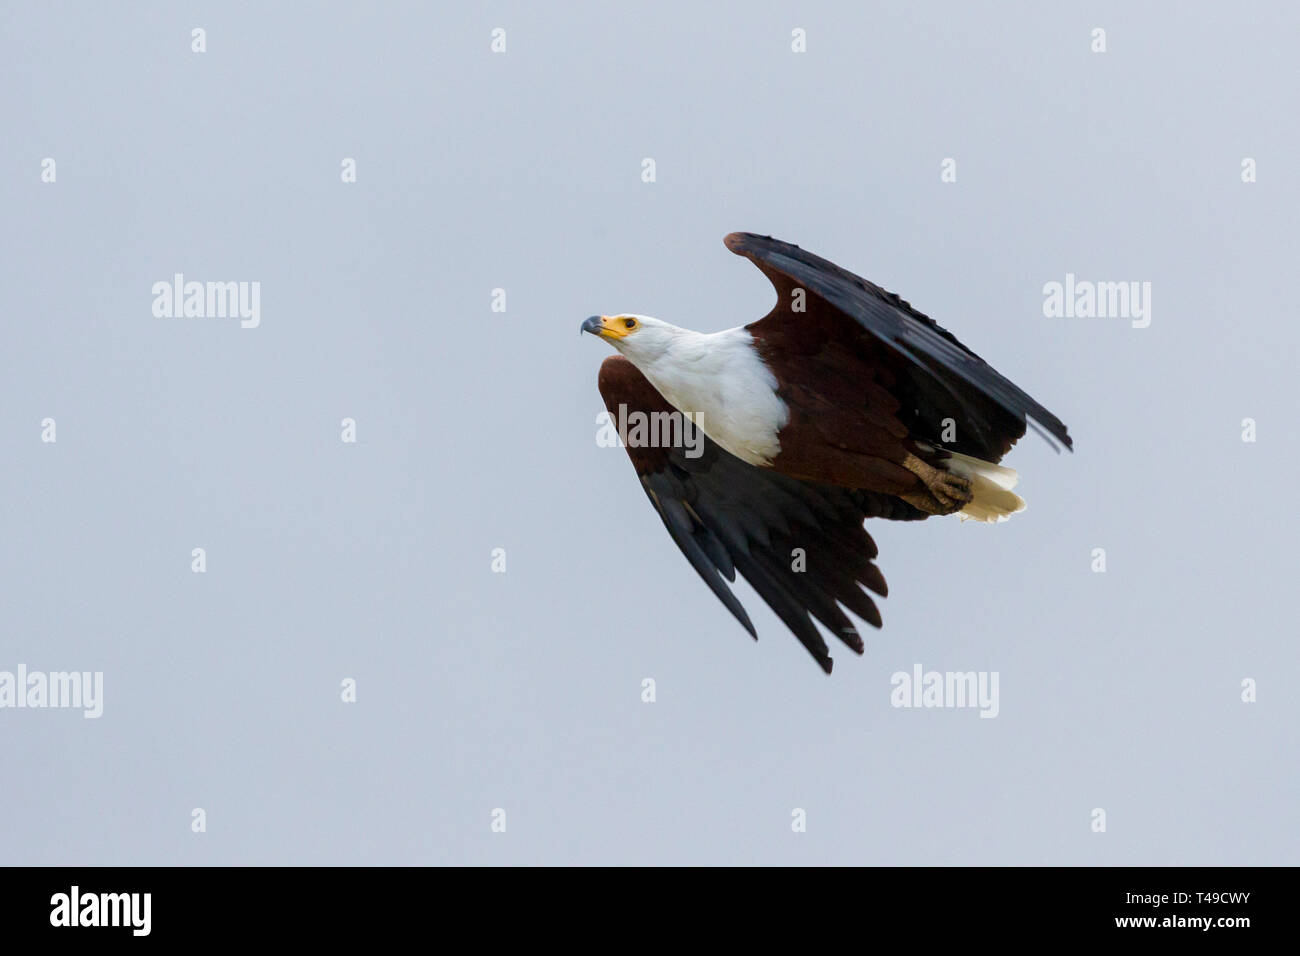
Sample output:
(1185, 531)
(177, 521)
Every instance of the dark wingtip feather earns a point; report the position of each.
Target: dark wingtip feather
(1053, 433)
(873, 580)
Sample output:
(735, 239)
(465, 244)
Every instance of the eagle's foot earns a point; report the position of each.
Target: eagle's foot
(944, 492)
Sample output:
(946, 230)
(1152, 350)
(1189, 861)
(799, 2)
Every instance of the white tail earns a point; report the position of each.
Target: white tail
(991, 486)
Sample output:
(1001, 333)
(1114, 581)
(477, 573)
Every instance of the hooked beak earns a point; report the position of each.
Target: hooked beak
(603, 327)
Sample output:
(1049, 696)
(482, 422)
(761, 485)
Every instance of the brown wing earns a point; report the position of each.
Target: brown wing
(728, 516)
(849, 322)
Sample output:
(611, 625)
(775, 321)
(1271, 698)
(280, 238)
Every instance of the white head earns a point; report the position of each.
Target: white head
(641, 338)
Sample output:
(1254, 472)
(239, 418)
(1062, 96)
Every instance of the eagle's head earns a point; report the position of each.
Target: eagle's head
(640, 337)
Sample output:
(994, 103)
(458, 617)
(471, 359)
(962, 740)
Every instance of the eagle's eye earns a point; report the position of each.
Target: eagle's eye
(629, 323)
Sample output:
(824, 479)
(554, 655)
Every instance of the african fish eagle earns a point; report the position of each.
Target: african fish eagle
(842, 403)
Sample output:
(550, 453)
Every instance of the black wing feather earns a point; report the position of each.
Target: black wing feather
(934, 351)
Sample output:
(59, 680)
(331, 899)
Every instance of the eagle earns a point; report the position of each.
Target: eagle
(841, 404)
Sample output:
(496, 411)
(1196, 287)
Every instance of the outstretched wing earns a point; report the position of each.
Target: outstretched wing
(936, 376)
(800, 545)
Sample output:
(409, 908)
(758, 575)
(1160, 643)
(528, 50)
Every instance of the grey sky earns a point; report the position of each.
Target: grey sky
(476, 430)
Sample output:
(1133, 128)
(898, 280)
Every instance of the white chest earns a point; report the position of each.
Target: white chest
(721, 380)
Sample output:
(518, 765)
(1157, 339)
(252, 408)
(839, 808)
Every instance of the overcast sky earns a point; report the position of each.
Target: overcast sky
(371, 561)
